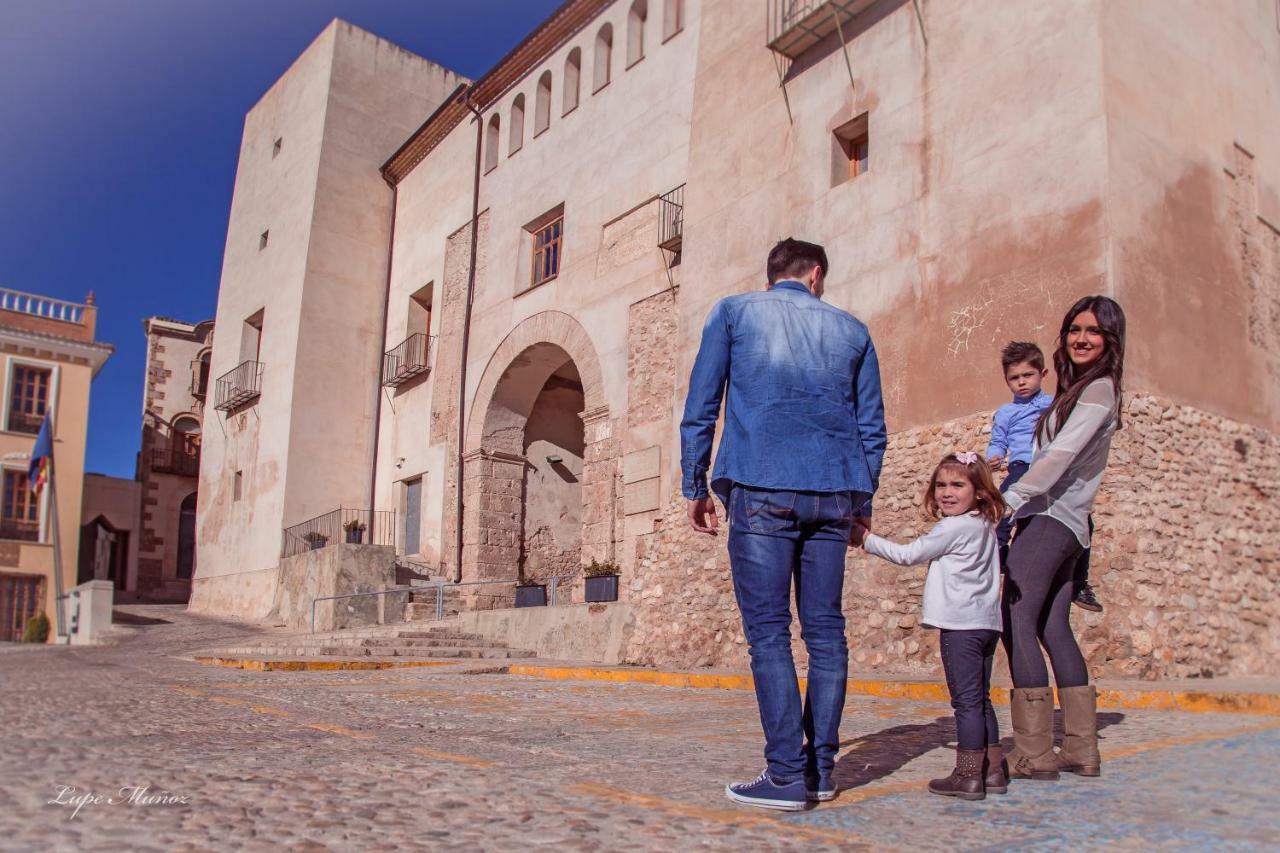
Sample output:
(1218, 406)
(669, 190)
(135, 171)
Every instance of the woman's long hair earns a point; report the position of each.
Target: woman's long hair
(1072, 380)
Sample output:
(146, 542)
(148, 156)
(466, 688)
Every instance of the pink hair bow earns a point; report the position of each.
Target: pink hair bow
(966, 457)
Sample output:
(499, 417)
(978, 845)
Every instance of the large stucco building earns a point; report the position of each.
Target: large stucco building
(972, 171)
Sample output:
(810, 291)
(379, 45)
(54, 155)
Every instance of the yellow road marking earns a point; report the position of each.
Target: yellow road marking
(452, 757)
(339, 730)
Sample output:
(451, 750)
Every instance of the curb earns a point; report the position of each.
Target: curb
(1195, 701)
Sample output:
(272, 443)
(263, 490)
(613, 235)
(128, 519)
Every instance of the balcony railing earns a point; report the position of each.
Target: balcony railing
(350, 526)
(671, 220)
(41, 306)
(411, 358)
(797, 25)
(23, 422)
(26, 531)
(238, 386)
(169, 460)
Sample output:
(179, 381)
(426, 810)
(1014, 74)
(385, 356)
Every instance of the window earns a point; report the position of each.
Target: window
(251, 338)
(635, 31)
(20, 518)
(28, 397)
(572, 80)
(186, 435)
(850, 153)
(673, 18)
(516, 140)
(548, 231)
(262, 239)
(237, 487)
(200, 375)
(21, 597)
(491, 136)
(604, 54)
(419, 320)
(542, 104)
(275, 148)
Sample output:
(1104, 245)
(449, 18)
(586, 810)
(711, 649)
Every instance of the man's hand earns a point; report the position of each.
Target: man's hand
(858, 532)
(702, 515)
(995, 461)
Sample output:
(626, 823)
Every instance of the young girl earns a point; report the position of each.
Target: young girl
(962, 598)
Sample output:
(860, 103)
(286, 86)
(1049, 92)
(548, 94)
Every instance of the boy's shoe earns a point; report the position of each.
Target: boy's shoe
(819, 789)
(764, 793)
(1085, 599)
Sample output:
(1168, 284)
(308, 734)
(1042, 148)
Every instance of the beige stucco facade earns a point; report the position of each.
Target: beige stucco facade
(1020, 156)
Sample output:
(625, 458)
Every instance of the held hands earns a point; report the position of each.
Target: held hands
(702, 516)
(858, 533)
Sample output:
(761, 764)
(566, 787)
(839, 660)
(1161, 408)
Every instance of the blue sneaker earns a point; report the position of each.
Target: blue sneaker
(819, 789)
(766, 794)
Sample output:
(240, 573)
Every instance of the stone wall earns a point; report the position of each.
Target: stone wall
(1185, 559)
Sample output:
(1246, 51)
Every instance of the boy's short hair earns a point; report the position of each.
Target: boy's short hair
(791, 258)
(1017, 352)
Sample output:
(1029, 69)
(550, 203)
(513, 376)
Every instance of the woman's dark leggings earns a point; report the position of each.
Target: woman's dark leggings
(966, 659)
(1037, 605)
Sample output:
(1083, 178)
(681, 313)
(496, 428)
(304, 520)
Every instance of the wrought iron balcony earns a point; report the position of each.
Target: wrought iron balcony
(26, 531)
(23, 422)
(411, 358)
(239, 386)
(797, 25)
(671, 220)
(175, 460)
(350, 526)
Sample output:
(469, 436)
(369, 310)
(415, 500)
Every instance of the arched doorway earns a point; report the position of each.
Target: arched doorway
(187, 537)
(539, 475)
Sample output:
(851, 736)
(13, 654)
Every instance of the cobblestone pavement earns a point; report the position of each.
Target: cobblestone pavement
(429, 758)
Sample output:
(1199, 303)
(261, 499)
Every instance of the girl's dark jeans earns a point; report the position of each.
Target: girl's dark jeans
(966, 659)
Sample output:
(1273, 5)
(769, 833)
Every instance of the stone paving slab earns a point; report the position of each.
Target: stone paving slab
(422, 758)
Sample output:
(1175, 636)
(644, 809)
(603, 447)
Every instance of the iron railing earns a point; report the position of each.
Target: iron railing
(23, 422)
(175, 460)
(41, 306)
(350, 526)
(671, 220)
(412, 357)
(25, 531)
(239, 385)
(797, 25)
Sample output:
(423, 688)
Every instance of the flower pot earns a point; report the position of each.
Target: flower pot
(531, 596)
(602, 588)
(355, 535)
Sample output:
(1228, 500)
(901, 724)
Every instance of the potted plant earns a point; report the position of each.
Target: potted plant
(355, 531)
(530, 593)
(315, 540)
(36, 630)
(601, 581)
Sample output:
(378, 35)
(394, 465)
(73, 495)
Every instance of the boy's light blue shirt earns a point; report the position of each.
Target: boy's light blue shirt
(802, 385)
(1013, 428)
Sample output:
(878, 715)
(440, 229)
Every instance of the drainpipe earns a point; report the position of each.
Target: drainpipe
(382, 365)
(466, 332)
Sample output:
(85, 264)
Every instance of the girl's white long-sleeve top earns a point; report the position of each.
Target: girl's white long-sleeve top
(962, 589)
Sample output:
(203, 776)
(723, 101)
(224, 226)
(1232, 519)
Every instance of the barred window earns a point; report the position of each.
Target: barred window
(546, 252)
(28, 398)
(20, 516)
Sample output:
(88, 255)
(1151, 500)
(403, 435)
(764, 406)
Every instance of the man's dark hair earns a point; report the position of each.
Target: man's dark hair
(1017, 352)
(793, 258)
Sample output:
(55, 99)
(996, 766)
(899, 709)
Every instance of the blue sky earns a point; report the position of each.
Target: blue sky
(120, 124)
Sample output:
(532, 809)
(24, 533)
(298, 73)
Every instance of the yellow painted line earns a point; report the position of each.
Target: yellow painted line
(339, 730)
(452, 757)
(919, 691)
(725, 817)
(256, 665)
(274, 712)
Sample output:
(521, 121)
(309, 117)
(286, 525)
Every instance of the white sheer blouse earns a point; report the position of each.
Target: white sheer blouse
(1066, 470)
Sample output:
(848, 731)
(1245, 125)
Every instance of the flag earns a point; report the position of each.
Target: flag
(41, 458)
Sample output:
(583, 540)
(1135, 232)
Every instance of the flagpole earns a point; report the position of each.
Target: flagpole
(57, 548)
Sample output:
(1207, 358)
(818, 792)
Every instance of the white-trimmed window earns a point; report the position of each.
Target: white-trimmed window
(30, 387)
(19, 508)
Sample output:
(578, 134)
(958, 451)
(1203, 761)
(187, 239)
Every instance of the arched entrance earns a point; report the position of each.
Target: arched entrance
(541, 462)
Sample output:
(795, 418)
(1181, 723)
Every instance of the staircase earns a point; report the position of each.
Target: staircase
(397, 644)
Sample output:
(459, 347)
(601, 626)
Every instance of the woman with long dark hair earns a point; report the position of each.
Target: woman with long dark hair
(1051, 506)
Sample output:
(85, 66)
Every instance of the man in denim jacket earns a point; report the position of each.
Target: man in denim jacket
(798, 463)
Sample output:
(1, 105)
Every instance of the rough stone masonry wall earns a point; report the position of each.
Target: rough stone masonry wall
(1185, 559)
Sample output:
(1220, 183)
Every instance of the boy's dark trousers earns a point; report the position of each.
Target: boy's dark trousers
(1005, 528)
(966, 659)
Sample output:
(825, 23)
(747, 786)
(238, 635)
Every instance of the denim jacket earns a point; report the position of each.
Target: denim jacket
(804, 410)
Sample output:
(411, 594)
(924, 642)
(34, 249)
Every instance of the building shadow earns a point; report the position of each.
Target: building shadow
(121, 617)
(883, 753)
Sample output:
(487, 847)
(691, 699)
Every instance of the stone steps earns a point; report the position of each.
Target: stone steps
(435, 643)
(377, 653)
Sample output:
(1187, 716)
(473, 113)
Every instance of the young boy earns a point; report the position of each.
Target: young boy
(1012, 437)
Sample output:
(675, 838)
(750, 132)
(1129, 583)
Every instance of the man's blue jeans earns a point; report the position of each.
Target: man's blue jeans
(776, 537)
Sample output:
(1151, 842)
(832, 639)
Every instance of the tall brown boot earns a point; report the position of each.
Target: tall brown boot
(1079, 753)
(965, 781)
(996, 774)
(1033, 756)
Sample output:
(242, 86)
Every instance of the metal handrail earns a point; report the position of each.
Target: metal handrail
(314, 601)
(671, 219)
(239, 385)
(408, 359)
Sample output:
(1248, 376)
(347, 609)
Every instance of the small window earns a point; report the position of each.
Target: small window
(516, 141)
(20, 518)
(263, 238)
(542, 104)
(28, 397)
(491, 136)
(604, 55)
(548, 232)
(237, 486)
(200, 375)
(275, 148)
(635, 31)
(673, 18)
(419, 321)
(251, 338)
(572, 80)
(850, 150)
